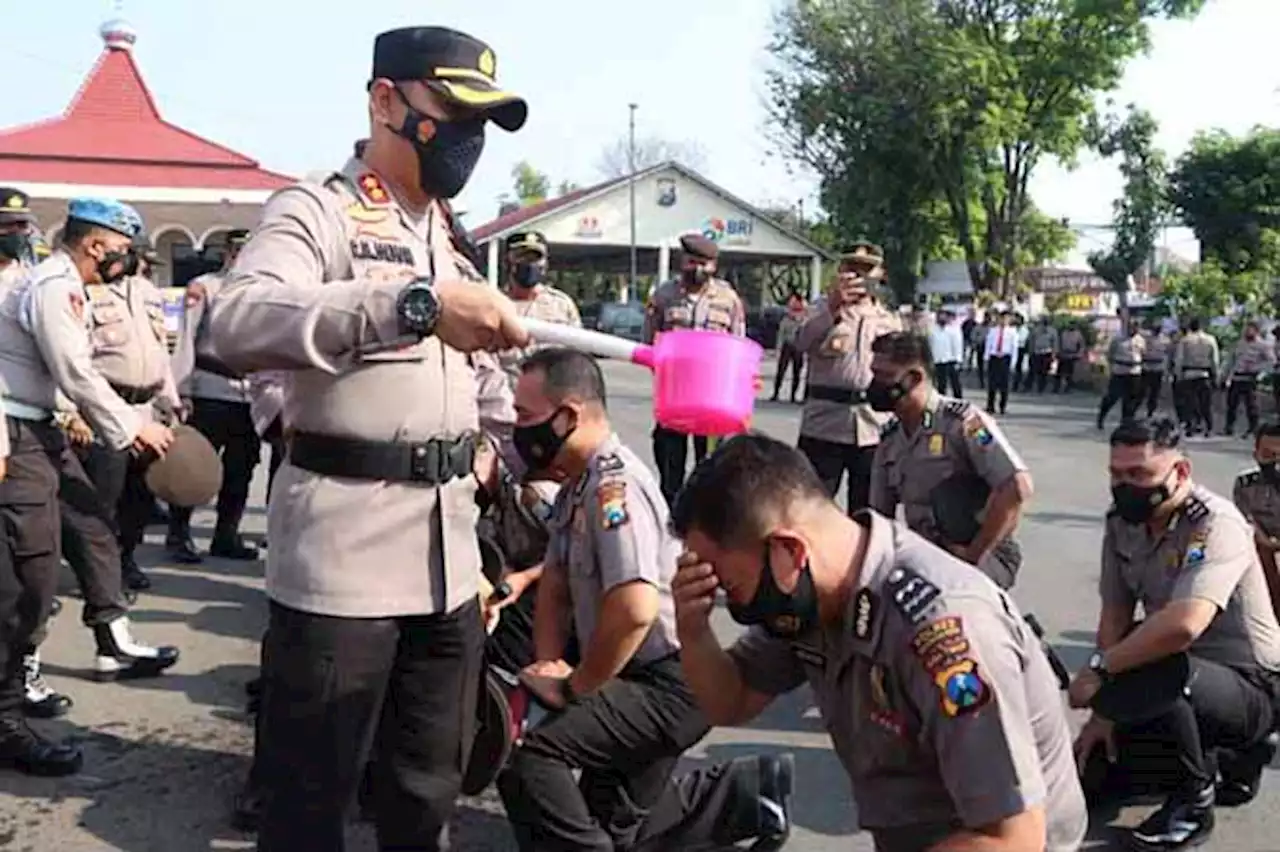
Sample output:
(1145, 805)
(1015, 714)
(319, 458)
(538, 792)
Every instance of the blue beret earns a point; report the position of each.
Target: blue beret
(106, 213)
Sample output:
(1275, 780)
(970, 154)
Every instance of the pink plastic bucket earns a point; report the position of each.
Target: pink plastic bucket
(704, 381)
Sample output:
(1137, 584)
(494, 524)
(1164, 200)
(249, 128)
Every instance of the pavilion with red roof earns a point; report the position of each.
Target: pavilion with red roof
(111, 142)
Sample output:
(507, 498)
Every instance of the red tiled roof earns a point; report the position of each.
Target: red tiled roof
(516, 218)
(112, 134)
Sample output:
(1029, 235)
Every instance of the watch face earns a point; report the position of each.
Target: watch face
(1095, 661)
(418, 307)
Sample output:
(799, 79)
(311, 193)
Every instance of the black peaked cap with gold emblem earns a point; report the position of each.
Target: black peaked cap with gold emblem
(15, 206)
(533, 241)
(456, 65)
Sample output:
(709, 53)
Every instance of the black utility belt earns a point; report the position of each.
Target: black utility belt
(1244, 377)
(844, 396)
(137, 396)
(434, 462)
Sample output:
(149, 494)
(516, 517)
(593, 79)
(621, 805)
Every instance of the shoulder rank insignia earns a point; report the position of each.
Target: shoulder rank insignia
(610, 463)
(1197, 510)
(958, 407)
(889, 428)
(912, 595)
(1250, 477)
(612, 498)
(371, 185)
(865, 608)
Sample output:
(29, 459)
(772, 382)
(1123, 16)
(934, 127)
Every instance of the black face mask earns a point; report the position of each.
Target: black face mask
(1136, 504)
(782, 615)
(884, 396)
(127, 265)
(527, 274)
(447, 157)
(1270, 472)
(15, 246)
(696, 276)
(538, 444)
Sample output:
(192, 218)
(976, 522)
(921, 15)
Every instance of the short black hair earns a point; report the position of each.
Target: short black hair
(75, 232)
(905, 349)
(1193, 324)
(1161, 431)
(566, 373)
(1270, 429)
(736, 493)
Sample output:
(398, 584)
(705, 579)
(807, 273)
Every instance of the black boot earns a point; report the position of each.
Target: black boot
(777, 783)
(1240, 776)
(1184, 821)
(132, 575)
(246, 808)
(121, 657)
(231, 546)
(40, 701)
(253, 692)
(183, 551)
(23, 749)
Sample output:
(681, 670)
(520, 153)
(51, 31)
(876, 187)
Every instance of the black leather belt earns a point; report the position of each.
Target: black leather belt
(137, 396)
(433, 462)
(1244, 377)
(213, 365)
(844, 396)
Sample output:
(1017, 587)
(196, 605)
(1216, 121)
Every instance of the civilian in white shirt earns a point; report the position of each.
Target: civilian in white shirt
(1000, 352)
(946, 344)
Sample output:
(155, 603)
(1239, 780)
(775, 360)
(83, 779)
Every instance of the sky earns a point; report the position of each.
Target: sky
(283, 82)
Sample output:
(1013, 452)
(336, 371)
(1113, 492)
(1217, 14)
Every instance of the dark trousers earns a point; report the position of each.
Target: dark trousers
(1226, 712)
(1124, 389)
(947, 375)
(1197, 396)
(1065, 377)
(788, 358)
(229, 427)
(1039, 378)
(127, 503)
(998, 378)
(625, 738)
(982, 367)
(671, 455)
(832, 460)
(338, 691)
(1152, 385)
(1243, 389)
(1019, 374)
(274, 436)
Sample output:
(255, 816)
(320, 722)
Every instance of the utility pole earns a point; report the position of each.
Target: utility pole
(631, 163)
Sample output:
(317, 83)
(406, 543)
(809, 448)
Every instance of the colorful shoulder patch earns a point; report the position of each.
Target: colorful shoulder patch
(945, 654)
(77, 304)
(611, 495)
(374, 192)
(976, 430)
(962, 689)
(1195, 554)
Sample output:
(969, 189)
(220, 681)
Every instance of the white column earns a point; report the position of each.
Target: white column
(664, 262)
(493, 262)
(815, 277)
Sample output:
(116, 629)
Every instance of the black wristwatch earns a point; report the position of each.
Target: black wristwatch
(566, 690)
(418, 308)
(1098, 665)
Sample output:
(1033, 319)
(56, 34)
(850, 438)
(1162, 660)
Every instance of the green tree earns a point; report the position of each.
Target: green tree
(1140, 210)
(531, 186)
(1227, 190)
(565, 187)
(901, 103)
(1210, 290)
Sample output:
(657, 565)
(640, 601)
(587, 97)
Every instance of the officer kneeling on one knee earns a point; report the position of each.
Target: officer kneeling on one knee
(1186, 696)
(934, 441)
(624, 714)
(938, 699)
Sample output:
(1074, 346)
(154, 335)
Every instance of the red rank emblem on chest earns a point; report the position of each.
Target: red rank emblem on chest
(371, 186)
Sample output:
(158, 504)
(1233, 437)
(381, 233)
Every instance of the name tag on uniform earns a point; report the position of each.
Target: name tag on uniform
(936, 445)
(382, 251)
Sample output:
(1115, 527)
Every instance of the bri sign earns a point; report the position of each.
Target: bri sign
(727, 232)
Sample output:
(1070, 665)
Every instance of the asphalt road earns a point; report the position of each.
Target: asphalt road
(164, 757)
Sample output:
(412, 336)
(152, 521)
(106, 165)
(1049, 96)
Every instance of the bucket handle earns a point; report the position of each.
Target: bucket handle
(591, 342)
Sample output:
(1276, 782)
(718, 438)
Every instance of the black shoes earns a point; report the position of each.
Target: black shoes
(23, 749)
(182, 551)
(121, 657)
(233, 547)
(39, 700)
(253, 694)
(1183, 822)
(131, 574)
(246, 808)
(777, 784)
(1240, 776)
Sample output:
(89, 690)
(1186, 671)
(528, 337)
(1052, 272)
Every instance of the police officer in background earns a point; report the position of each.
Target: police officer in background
(1251, 358)
(1124, 360)
(698, 299)
(936, 444)
(1157, 350)
(16, 223)
(1195, 368)
(1187, 556)
(1257, 495)
(624, 714)
(220, 409)
(533, 297)
(1042, 340)
(939, 701)
(838, 429)
(1071, 346)
(364, 286)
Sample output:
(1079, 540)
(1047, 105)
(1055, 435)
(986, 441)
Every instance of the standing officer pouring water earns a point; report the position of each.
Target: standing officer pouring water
(365, 288)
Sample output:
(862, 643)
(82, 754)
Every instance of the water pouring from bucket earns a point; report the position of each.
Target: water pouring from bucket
(703, 381)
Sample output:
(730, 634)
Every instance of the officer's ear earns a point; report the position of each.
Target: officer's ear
(382, 101)
(788, 555)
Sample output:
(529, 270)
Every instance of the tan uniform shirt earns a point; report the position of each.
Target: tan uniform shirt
(1071, 343)
(955, 438)
(1196, 356)
(1124, 354)
(1250, 358)
(46, 347)
(11, 276)
(938, 698)
(1043, 340)
(1258, 500)
(314, 288)
(548, 304)
(1155, 352)
(126, 322)
(193, 382)
(609, 527)
(840, 358)
(714, 307)
(1206, 553)
(788, 328)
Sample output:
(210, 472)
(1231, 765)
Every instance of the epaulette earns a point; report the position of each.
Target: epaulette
(958, 407)
(1249, 477)
(610, 463)
(889, 428)
(912, 595)
(1196, 510)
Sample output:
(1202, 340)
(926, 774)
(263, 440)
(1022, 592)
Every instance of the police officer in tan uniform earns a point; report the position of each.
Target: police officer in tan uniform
(16, 224)
(627, 715)
(220, 410)
(1156, 352)
(1071, 346)
(366, 290)
(1252, 358)
(1187, 556)
(940, 703)
(1257, 495)
(1195, 369)
(527, 254)
(1124, 360)
(700, 300)
(838, 429)
(938, 448)
(1042, 341)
